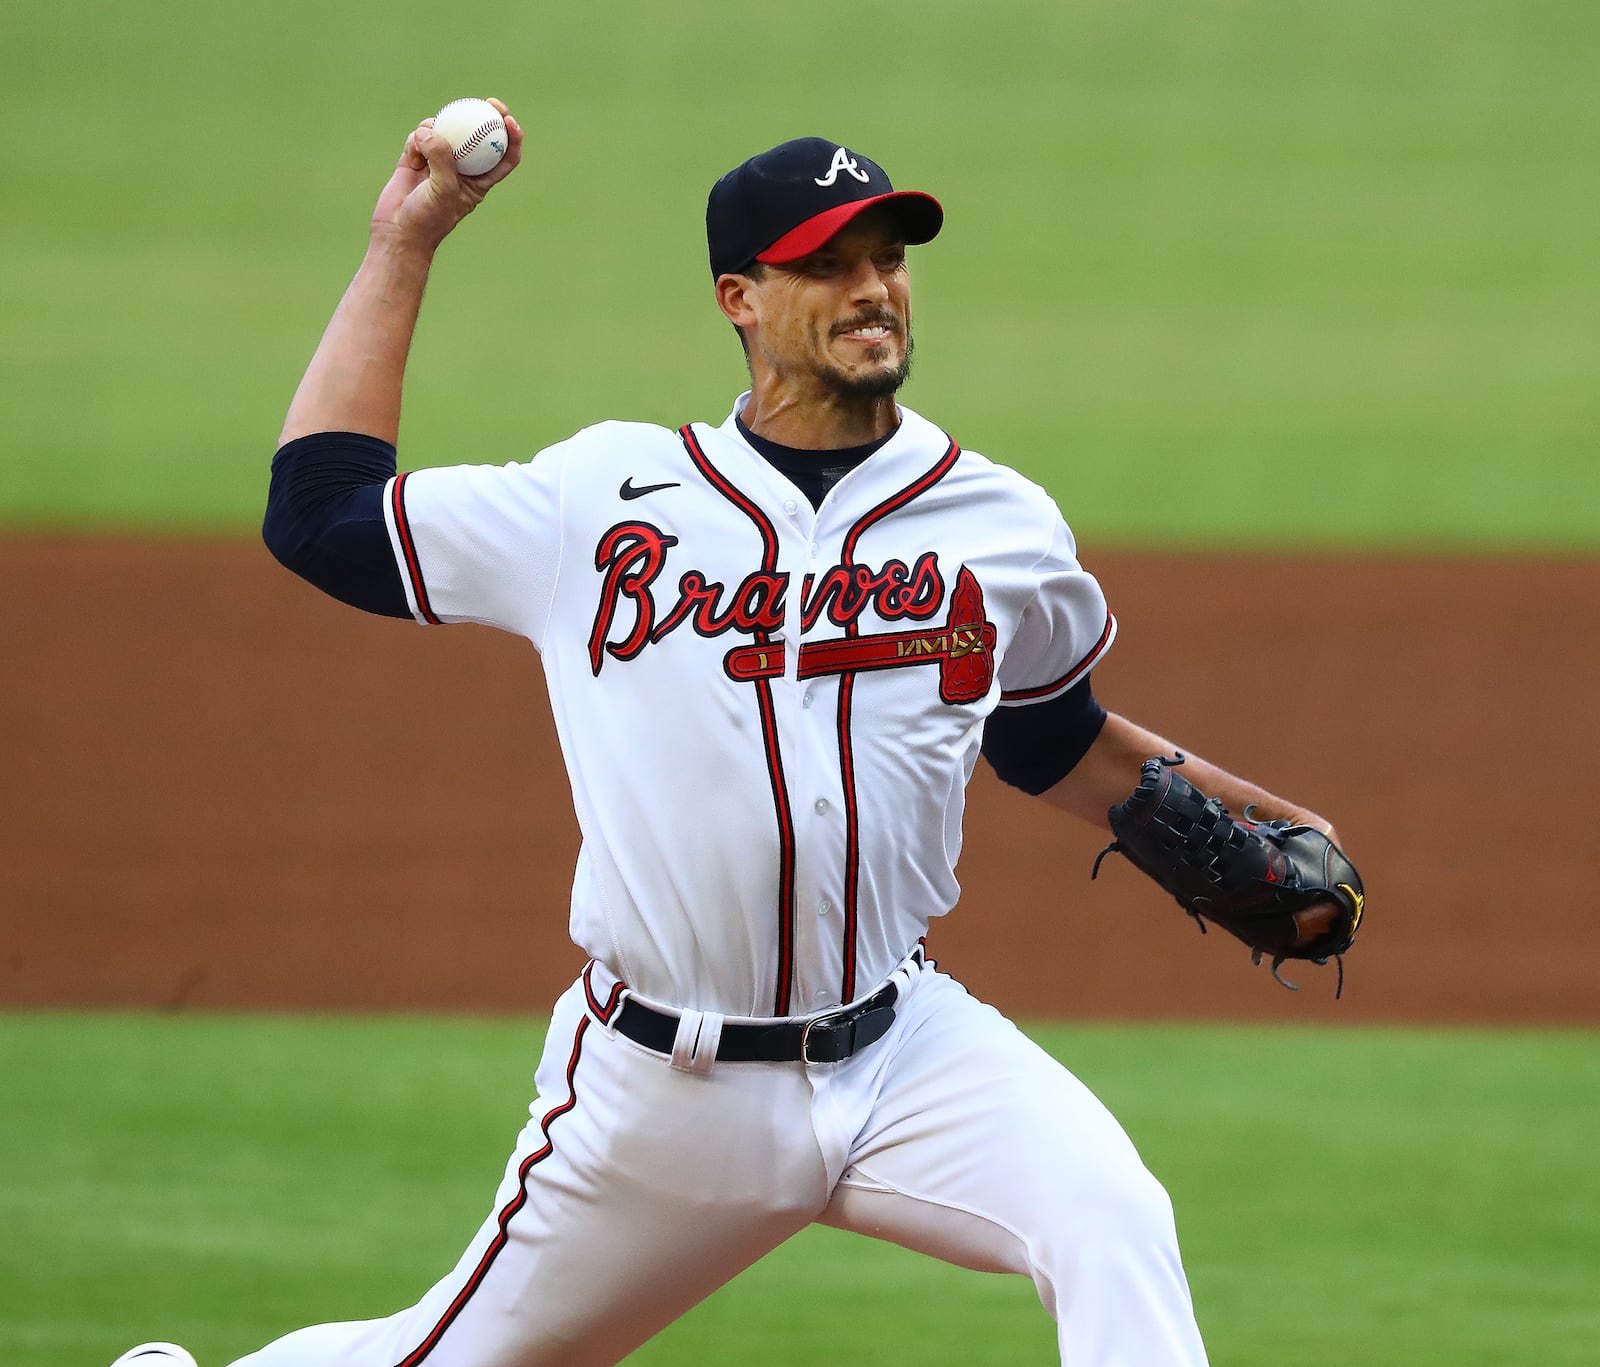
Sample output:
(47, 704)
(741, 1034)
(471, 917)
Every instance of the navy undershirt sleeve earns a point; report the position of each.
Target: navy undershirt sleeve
(1035, 747)
(325, 519)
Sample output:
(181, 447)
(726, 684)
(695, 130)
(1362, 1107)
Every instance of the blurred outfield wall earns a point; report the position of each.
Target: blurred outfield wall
(1239, 273)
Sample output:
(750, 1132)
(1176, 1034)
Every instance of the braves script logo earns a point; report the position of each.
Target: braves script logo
(632, 556)
(843, 161)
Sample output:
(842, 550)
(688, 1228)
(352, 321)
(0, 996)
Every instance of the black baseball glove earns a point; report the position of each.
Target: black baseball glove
(1258, 880)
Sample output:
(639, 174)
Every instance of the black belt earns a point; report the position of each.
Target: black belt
(822, 1039)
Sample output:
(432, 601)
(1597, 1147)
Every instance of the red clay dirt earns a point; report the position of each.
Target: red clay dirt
(223, 790)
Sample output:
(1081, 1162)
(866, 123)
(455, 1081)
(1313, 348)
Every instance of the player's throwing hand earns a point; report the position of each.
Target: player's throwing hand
(426, 196)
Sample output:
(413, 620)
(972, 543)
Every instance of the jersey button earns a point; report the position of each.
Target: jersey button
(790, 506)
(824, 907)
(820, 806)
(816, 550)
(806, 700)
(821, 996)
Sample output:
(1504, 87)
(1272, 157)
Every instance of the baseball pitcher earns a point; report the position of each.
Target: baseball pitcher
(775, 647)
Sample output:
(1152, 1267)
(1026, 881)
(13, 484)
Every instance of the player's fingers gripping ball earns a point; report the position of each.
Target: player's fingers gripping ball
(1286, 891)
(476, 133)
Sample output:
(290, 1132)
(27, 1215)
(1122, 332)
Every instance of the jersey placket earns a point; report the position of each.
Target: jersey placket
(821, 793)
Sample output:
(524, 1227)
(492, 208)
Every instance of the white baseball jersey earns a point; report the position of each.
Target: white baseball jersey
(769, 713)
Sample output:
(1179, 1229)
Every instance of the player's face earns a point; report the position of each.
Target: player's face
(841, 317)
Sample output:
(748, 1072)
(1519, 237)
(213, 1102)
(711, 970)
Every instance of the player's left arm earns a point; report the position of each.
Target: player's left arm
(1098, 756)
(1109, 770)
(1059, 743)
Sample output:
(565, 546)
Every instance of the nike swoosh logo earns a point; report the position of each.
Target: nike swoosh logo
(631, 490)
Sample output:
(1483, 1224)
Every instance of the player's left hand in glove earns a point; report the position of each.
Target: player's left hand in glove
(1287, 891)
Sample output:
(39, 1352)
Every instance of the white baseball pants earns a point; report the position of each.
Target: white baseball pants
(638, 1188)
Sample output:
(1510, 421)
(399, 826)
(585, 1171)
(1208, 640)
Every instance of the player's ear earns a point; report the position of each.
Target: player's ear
(734, 298)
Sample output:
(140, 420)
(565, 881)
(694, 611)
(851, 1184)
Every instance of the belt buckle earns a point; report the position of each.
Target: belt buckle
(840, 1017)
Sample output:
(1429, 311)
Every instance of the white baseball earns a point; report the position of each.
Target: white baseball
(476, 131)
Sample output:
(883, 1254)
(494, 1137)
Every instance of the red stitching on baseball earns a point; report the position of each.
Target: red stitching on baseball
(478, 135)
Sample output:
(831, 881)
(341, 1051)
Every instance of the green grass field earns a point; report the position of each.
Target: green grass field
(1346, 1198)
(1232, 272)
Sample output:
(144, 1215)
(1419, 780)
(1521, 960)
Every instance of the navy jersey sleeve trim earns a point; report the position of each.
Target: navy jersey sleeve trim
(411, 565)
(325, 519)
(1035, 747)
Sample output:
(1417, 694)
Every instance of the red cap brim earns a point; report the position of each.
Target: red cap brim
(920, 215)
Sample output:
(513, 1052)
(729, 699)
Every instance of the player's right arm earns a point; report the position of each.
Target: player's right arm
(325, 515)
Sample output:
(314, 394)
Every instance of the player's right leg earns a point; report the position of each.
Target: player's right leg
(634, 1192)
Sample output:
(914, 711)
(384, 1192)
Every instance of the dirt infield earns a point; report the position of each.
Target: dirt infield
(224, 790)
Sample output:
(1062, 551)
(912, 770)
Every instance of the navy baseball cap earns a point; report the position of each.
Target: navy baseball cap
(788, 201)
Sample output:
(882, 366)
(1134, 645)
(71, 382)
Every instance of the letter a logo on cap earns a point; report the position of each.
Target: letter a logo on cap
(843, 161)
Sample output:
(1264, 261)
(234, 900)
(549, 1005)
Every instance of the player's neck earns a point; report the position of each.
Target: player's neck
(812, 423)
